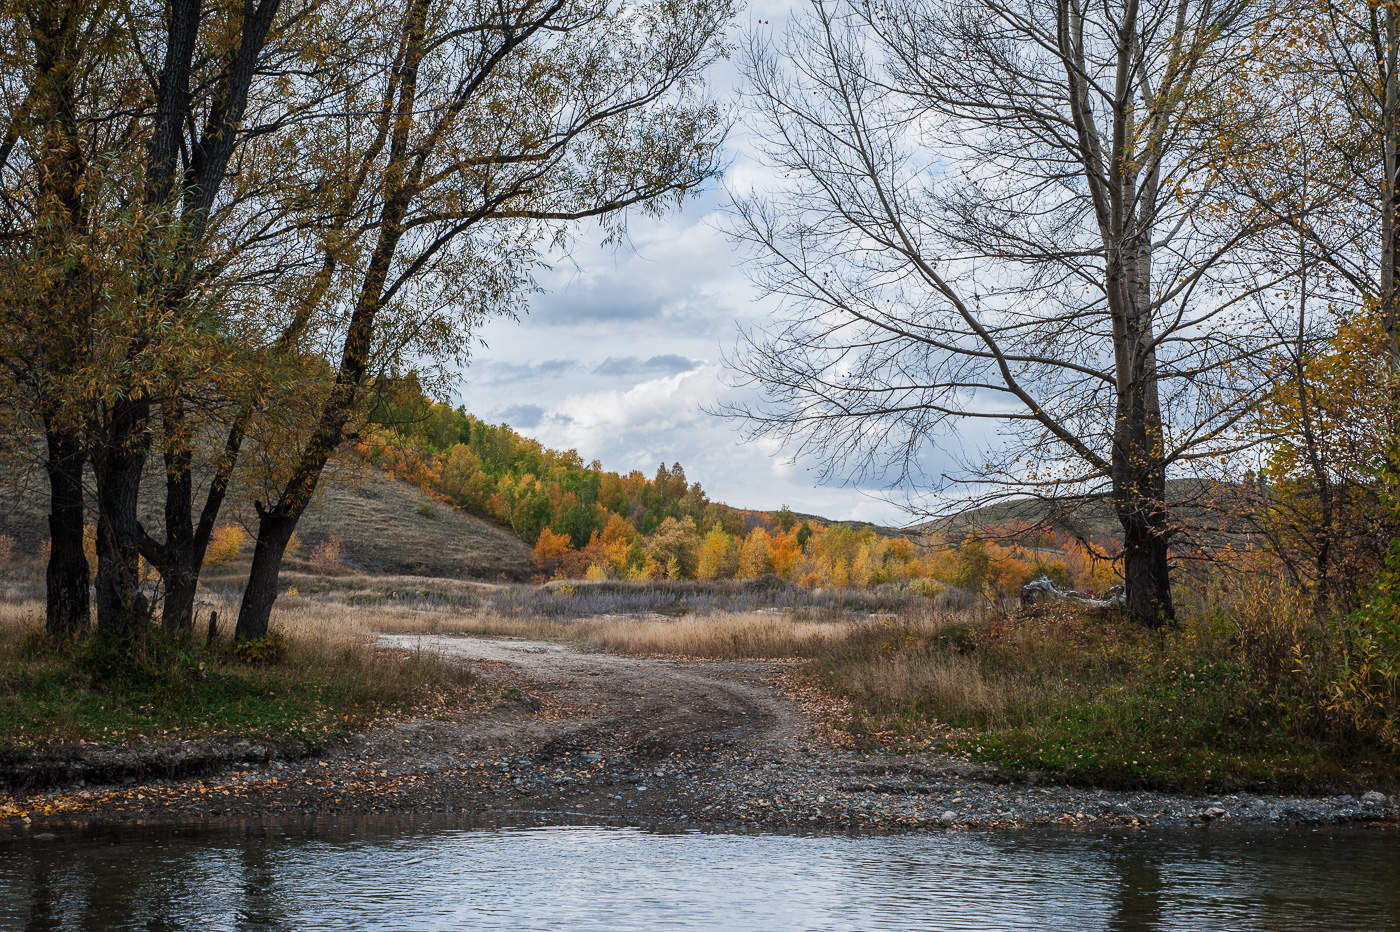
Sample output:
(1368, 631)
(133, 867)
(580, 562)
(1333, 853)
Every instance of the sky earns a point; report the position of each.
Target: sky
(622, 354)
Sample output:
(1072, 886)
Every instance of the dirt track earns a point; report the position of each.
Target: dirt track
(636, 741)
(637, 705)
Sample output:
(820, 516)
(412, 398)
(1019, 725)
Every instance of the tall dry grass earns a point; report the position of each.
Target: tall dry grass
(720, 635)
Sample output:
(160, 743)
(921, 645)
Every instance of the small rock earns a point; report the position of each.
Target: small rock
(1373, 799)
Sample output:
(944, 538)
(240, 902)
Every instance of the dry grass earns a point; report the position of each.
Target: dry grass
(722, 635)
(941, 688)
(22, 614)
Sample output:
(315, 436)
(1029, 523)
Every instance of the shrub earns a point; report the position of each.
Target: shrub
(1366, 688)
(1054, 570)
(268, 649)
(326, 554)
(143, 659)
(225, 544)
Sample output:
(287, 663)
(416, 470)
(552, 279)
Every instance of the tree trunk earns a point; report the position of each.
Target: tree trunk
(121, 606)
(1138, 469)
(66, 578)
(275, 529)
(1140, 502)
(181, 580)
(1146, 572)
(178, 567)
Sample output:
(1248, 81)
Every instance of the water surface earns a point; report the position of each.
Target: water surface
(397, 876)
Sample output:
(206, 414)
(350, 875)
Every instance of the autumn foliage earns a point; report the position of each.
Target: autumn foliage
(586, 522)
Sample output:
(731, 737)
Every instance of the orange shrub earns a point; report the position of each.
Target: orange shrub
(550, 547)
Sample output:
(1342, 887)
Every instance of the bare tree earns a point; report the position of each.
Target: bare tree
(1005, 210)
(1311, 146)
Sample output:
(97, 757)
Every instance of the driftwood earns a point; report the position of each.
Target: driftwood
(1043, 590)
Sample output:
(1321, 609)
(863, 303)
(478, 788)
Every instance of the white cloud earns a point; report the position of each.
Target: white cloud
(662, 420)
(674, 292)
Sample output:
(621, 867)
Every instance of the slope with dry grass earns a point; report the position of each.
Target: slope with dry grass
(383, 525)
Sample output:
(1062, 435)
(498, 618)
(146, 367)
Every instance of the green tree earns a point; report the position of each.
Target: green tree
(675, 543)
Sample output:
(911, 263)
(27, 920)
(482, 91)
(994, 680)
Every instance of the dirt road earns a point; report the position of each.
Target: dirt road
(597, 737)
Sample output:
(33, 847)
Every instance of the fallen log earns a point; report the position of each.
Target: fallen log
(1044, 590)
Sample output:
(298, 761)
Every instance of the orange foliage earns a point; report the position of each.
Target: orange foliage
(550, 548)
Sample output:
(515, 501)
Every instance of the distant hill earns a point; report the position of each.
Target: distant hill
(1210, 507)
(883, 530)
(1092, 518)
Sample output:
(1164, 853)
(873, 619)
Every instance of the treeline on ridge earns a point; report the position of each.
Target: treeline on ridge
(587, 522)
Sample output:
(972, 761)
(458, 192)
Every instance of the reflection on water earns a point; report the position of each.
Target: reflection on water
(405, 876)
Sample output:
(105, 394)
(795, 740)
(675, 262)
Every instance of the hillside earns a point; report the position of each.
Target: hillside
(1213, 510)
(385, 525)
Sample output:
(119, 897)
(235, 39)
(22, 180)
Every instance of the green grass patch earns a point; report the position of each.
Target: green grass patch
(1096, 703)
(56, 696)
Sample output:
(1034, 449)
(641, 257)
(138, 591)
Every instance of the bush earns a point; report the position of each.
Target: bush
(225, 544)
(146, 659)
(263, 651)
(1366, 688)
(326, 554)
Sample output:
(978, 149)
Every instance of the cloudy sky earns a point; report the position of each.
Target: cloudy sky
(622, 354)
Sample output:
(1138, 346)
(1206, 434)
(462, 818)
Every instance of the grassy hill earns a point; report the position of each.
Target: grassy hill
(384, 525)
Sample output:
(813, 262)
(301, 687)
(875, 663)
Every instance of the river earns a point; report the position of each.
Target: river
(401, 874)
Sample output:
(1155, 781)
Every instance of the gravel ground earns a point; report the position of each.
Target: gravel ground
(638, 741)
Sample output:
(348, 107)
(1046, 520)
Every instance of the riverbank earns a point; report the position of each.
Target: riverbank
(643, 740)
(74, 713)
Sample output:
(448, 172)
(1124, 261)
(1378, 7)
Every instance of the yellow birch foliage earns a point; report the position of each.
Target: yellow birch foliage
(550, 548)
(755, 558)
(718, 555)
